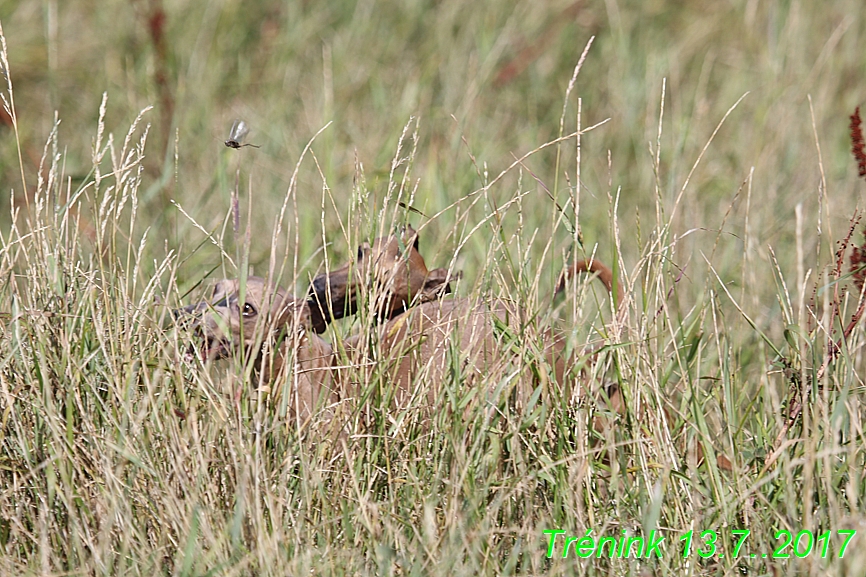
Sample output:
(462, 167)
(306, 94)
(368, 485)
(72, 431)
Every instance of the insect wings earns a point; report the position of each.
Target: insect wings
(239, 132)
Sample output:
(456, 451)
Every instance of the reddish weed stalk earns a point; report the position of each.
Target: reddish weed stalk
(857, 270)
(857, 144)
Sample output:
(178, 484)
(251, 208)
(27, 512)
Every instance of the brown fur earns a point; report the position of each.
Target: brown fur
(418, 345)
(415, 344)
(595, 266)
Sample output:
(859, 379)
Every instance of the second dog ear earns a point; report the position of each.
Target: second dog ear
(437, 284)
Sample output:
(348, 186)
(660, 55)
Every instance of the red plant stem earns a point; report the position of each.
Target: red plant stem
(857, 143)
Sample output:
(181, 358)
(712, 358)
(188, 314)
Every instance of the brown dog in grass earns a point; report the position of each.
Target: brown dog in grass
(438, 339)
(425, 333)
(274, 329)
(270, 327)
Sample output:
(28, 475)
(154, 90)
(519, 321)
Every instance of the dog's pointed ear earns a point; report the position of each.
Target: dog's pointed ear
(410, 236)
(223, 288)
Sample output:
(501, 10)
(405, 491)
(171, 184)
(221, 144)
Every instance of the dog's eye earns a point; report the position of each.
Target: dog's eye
(249, 310)
(360, 253)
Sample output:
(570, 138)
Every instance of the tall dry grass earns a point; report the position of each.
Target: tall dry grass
(720, 186)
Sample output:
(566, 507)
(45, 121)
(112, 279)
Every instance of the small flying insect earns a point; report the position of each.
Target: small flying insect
(237, 135)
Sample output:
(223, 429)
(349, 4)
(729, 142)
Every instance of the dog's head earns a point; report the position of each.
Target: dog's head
(391, 270)
(236, 316)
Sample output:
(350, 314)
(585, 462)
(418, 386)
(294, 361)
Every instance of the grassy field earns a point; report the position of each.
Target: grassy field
(703, 147)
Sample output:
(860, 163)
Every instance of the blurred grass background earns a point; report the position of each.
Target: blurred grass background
(500, 70)
(485, 82)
